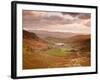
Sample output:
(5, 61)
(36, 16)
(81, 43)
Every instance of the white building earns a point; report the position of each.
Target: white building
(59, 44)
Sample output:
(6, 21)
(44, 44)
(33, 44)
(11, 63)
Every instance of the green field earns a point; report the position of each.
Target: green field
(59, 51)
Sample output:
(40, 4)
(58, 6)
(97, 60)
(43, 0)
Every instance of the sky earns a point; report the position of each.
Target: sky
(79, 23)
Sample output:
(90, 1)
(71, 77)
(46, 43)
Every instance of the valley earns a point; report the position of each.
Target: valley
(44, 49)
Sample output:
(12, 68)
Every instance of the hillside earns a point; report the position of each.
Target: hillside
(33, 41)
(78, 38)
(29, 35)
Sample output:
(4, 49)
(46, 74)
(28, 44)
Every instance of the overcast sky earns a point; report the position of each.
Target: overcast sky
(57, 21)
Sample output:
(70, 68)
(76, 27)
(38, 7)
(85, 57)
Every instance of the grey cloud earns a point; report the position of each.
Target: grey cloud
(35, 19)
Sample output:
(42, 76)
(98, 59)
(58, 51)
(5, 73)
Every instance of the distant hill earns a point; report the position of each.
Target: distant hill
(61, 36)
(79, 38)
(44, 34)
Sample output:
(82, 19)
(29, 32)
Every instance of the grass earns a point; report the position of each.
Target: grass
(57, 52)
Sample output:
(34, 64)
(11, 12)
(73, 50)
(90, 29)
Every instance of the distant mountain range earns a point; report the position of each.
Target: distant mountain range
(44, 33)
(64, 36)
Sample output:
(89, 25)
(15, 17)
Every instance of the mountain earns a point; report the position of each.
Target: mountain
(60, 36)
(44, 34)
(31, 40)
(40, 39)
(29, 35)
(79, 38)
(80, 42)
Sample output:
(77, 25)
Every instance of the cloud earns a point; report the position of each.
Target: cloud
(84, 16)
(68, 17)
(57, 21)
